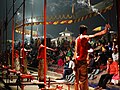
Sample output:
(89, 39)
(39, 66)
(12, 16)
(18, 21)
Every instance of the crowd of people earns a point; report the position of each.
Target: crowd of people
(94, 58)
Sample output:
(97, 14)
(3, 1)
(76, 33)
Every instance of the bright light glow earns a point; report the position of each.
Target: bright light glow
(18, 13)
(17, 31)
(90, 50)
(55, 22)
(27, 35)
(30, 20)
(70, 21)
(67, 34)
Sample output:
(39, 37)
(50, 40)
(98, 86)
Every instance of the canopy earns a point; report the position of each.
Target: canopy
(81, 12)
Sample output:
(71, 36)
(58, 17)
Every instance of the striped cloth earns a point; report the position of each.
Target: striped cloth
(70, 78)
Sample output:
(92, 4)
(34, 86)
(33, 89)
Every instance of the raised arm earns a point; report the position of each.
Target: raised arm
(107, 27)
(50, 49)
(46, 47)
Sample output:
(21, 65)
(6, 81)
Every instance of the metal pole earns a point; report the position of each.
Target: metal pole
(45, 41)
(6, 35)
(31, 22)
(13, 38)
(23, 32)
(3, 43)
(15, 11)
(0, 37)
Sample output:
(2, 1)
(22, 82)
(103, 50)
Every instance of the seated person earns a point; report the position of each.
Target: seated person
(115, 79)
(93, 67)
(68, 68)
(112, 69)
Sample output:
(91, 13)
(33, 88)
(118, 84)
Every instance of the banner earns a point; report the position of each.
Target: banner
(64, 19)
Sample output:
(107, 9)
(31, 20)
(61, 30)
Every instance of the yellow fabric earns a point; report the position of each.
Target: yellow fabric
(97, 29)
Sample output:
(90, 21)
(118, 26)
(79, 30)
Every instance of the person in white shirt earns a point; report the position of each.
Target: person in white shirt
(115, 55)
(68, 67)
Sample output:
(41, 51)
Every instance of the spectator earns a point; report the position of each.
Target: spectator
(60, 61)
(115, 55)
(112, 69)
(68, 69)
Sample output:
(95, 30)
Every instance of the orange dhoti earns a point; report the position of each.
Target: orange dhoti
(81, 82)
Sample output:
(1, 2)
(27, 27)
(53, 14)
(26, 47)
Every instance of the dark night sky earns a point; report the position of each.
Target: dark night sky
(56, 7)
(2, 9)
